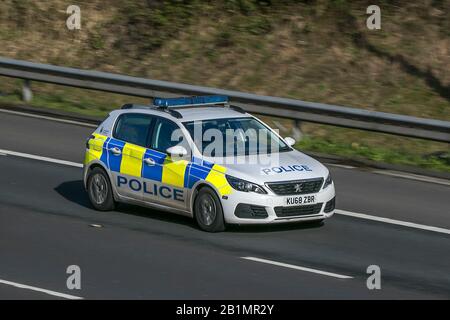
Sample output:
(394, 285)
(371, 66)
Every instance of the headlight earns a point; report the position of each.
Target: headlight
(245, 186)
(328, 181)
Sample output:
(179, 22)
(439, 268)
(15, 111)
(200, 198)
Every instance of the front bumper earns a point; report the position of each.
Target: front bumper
(270, 202)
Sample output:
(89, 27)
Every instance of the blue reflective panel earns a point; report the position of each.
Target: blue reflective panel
(153, 172)
(197, 172)
(115, 160)
(186, 175)
(187, 101)
(104, 156)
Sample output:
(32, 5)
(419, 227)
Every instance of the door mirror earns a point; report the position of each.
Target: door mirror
(290, 141)
(177, 151)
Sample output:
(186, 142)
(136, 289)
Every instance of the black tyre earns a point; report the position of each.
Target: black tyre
(100, 191)
(208, 211)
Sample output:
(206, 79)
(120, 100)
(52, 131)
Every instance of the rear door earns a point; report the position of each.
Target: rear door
(126, 151)
(165, 179)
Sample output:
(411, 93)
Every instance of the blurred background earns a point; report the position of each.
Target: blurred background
(317, 51)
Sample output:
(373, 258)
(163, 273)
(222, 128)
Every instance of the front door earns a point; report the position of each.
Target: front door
(165, 180)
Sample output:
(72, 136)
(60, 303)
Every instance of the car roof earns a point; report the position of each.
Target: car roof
(210, 112)
(188, 113)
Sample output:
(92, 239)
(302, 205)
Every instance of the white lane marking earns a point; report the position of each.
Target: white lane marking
(342, 212)
(340, 165)
(392, 221)
(398, 174)
(46, 159)
(50, 292)
(413, 177)
(31, 115)
(291, 266)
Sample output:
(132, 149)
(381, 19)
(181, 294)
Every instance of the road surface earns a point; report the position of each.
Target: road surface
(47, 224)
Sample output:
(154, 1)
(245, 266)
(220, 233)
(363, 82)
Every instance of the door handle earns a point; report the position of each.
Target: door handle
(116, 151)
(149, 161)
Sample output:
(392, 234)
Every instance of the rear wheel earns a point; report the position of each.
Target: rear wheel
(99, 190)
(208, 211)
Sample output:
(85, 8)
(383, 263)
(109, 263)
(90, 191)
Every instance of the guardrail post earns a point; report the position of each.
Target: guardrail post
(27, 94)
(297, 130)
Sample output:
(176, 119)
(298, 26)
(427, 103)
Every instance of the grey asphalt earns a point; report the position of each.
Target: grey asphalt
(45, 226)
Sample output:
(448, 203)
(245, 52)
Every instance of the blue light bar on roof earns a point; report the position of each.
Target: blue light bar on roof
(189, 101)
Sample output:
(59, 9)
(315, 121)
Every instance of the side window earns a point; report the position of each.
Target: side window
(133, 128)
(166, 134)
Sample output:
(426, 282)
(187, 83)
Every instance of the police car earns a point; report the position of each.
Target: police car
(204, 158)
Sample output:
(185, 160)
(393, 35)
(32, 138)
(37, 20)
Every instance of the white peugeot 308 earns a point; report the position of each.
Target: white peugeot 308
(201, 157)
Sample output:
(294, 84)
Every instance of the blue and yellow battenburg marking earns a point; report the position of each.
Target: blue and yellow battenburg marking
(132, 160)
(96, 149)
(129, 161)
(154, 172)
(213, 173)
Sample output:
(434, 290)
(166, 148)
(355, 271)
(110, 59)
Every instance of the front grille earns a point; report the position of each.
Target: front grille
(330, 205)
(250, 211)
(298, 210)
(296, 187)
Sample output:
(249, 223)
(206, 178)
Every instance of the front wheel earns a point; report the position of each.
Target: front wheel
(99, 190)
(208, 211)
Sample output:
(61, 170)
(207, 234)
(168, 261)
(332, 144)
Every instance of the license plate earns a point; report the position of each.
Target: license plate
(299, 200)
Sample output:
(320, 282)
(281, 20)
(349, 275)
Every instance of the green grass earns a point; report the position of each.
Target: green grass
(355, 152)
(73, 100)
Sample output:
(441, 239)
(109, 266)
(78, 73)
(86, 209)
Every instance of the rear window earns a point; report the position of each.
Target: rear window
(133, 128)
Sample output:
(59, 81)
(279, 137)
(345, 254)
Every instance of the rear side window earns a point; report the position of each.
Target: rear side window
(133, 128)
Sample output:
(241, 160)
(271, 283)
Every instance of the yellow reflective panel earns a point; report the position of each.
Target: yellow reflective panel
(131, 163)
(95, 148)
(173, 172)
(217, 178)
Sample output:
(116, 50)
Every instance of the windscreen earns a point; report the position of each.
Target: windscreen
(234, 137)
